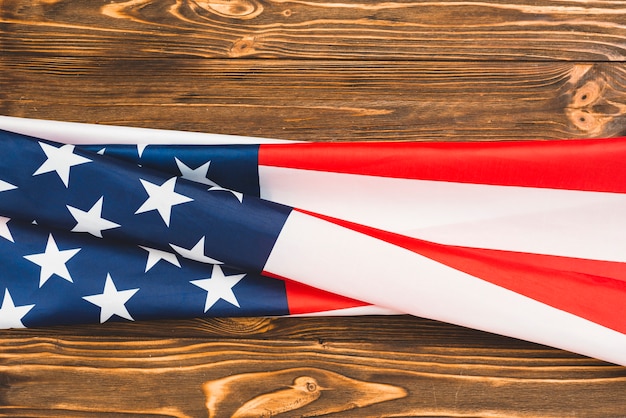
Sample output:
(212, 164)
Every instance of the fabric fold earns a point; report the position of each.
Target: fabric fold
(461, 248)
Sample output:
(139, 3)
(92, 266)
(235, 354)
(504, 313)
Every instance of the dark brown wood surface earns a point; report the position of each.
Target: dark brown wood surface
(312, 70)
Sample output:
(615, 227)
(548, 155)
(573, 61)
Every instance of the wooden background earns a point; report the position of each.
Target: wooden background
(331, 70)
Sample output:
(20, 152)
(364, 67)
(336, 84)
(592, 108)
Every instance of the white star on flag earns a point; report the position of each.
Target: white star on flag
(60, 160)
(219, 287)
(140, 149)
(196, 253)
(91, 221)
(162, 198)
(200, 175)
(52, 261)
(4, 229)
(11, 315)
(112, 301)
(4, 186)
(154, 256)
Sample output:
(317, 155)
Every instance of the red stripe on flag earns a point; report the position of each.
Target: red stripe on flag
(592, 165)
(594, 290)
(304, 299)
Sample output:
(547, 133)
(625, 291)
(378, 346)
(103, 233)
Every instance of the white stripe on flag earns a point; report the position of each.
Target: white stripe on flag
(356, 311)
(86, 133)
(342, 261)
(523, 219)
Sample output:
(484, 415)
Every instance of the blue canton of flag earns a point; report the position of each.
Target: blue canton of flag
(86, 238)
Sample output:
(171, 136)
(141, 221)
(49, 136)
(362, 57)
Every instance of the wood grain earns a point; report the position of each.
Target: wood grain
(397, 375)
(353, 29)
(367, 329)
(311, 70)
(325, 100)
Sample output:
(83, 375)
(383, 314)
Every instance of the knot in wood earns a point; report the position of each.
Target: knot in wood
(289, 390)
(586, 121)
(587, 105)
(305, 384)
(233, 9)
(588, 94)
(243, 47)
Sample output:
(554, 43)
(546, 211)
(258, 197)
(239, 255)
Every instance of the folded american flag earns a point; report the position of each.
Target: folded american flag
(519, 238)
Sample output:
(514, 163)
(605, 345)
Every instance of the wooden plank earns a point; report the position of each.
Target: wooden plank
(393, 30)
(324, 100)
(311, 70)
(52, 375)
(369, 329)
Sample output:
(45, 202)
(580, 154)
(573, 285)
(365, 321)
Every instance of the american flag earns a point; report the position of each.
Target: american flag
(88, 239)
(519, 238)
